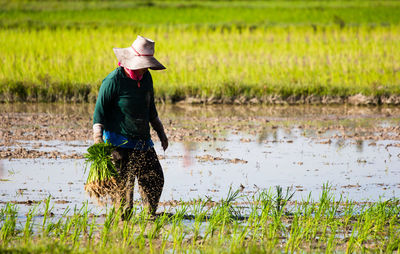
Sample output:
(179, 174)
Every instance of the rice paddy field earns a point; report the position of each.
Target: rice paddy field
(312, 226)
(240, 176)
(238, 179)
(215, 51)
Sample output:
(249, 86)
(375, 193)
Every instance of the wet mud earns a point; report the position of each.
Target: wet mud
(357, 99)
(37, 124)
(356, 149)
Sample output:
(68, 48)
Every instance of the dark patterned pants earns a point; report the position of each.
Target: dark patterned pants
(141, 165)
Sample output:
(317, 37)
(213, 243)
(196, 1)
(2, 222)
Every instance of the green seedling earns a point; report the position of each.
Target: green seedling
(98, 159)
(268, 224)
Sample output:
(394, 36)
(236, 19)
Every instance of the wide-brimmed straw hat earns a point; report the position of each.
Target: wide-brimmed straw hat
(139, 55)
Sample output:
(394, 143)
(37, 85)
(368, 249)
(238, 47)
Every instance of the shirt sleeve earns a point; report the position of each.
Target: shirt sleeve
(104, 101)
(152, 111)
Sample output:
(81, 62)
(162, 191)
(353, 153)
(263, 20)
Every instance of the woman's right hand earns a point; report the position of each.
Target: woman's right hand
(98, 140)
(98, 133)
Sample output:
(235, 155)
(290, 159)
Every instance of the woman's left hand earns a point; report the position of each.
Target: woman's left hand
(159, 128)
(164, 142)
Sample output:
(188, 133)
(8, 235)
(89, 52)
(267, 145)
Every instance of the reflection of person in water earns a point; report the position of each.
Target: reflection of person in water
(187, 157)
(124, 109)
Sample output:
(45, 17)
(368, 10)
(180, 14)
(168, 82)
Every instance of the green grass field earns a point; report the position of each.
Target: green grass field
(60, 51)
(264, 223)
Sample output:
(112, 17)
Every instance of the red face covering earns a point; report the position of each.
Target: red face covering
(133, 74)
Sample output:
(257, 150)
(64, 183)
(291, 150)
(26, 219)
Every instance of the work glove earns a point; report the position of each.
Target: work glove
(159, 128)
(98, 133)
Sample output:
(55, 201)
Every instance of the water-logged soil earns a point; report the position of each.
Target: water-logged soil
(355, 149)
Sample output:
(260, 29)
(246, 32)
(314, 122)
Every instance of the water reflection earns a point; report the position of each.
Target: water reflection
(340, 144)
(247, 147)
(360, 146)
(264, 135)
(187, 156)
(270, 112)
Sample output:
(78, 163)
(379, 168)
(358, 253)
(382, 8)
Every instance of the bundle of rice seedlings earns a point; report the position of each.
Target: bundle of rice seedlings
(101, 181)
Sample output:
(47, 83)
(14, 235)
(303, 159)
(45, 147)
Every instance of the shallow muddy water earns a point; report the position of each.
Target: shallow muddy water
(354, 149)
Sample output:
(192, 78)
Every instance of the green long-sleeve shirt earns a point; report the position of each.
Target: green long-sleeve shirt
(125, 108)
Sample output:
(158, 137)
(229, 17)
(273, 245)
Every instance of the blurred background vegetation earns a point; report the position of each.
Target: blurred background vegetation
(214, 50)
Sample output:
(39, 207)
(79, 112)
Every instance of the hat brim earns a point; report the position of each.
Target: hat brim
(128, 58)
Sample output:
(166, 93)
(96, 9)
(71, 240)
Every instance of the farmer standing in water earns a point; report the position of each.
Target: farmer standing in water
(123, 113)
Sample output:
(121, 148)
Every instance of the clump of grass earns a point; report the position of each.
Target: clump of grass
(101, 166)
(101, 181)
(8, 223)
(269, 222)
